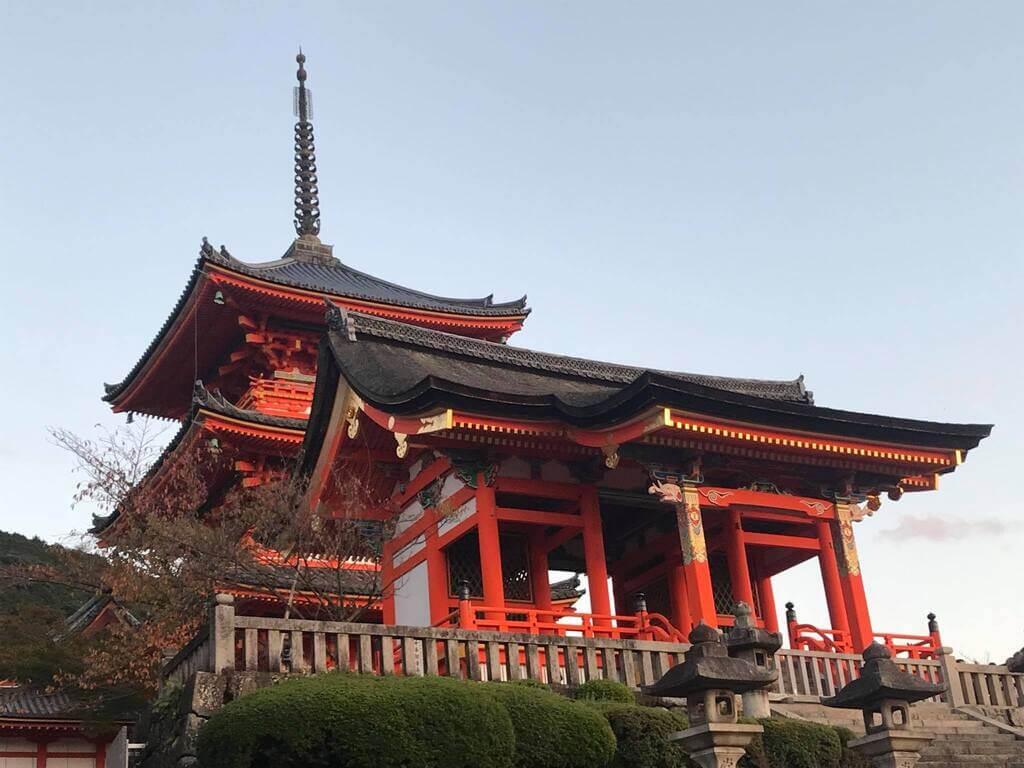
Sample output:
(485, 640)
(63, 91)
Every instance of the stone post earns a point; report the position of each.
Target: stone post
(884, 694)
(745, 640)
(951, 677)
(709, 680)
(222, 633)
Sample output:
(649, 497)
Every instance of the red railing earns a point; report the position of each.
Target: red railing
(561, 622)
(911, 646)
(808, 637)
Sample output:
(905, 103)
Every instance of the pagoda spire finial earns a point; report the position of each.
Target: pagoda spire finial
(307, 195)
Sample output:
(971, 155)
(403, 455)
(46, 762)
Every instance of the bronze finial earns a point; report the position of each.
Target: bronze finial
(307, 195)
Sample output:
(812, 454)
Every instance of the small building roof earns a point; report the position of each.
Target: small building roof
(93, 608)
(205, 402)
(24, 703)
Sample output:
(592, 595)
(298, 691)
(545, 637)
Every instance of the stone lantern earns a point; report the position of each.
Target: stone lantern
(709, 680)
(884, 693)
(745, 640)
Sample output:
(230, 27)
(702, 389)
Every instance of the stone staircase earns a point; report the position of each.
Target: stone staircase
(960, 740)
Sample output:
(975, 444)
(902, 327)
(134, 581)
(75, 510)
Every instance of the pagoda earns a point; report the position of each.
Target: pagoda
(236, 360)
(679, 495)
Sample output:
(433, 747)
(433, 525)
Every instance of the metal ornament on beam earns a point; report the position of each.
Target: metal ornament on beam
(403, 426)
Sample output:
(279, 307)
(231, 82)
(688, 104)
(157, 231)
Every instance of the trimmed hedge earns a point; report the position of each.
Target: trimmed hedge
(552, 731)
(850, 759)
(334, 720)
(794, 744)
(641, 735)
(605, 690)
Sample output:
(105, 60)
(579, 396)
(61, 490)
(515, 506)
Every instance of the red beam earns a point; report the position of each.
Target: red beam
(559, 519)
(776, 540)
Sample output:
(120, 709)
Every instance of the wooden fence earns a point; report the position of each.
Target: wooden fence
(248, 643)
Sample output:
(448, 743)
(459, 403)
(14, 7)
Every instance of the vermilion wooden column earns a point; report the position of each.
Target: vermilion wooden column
(850, 577)
(539, 570)
(680, 599)
(694, 549)
(490, 546)
(437, 572)
(830, 578)
(769, 613)
(101, 755)
(736, 555)
(387, 583)
(593, 551)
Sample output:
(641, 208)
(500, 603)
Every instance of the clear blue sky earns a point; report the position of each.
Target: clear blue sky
(746, 190)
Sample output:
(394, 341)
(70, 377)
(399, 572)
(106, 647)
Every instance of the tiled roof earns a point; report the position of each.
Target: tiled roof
(332, 278)
(338, 279)
(408, 370)
(20, 702)
(92, 608)
(545, 362)
(214, 401)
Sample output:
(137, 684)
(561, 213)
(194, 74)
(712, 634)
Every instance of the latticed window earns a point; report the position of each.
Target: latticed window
(721, 583)
(464, 565)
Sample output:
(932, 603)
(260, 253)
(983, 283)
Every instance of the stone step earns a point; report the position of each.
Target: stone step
(960, 730)
(973, 748)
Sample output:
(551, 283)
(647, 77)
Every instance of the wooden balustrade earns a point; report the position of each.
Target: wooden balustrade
(275, 645)
(257, 644)
(193, 657)
(990, 685)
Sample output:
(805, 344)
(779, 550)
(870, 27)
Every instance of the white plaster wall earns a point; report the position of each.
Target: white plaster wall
(451, 485)
(408, 516)
(410, 549)
(412, 598)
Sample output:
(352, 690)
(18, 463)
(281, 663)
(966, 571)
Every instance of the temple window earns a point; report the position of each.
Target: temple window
(464, 565)
(721, 584)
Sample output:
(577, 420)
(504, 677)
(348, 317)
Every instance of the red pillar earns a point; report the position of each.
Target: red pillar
(830, 578)
(101, 755)
(850, 578)
(437, 574)
(490, 547)
(736, 555)
(694, 549)
(387, 584)
(769, 613)
(680, 599)
(539, 570)
(41, 753)
(593, 550)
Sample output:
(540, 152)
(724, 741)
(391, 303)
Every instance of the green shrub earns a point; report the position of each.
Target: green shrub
(335, 720)
(532, 684)
(850, 759)
(794, 744)
(641, 735)
(553, 732)
(605, 690)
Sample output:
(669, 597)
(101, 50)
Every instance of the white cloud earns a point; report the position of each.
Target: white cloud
(944, 527)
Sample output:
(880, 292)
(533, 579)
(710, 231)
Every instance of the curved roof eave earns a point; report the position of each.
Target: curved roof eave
(627, 399)
(224, 260)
